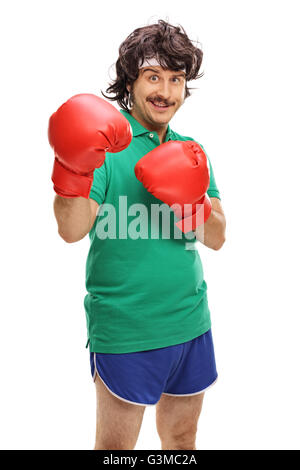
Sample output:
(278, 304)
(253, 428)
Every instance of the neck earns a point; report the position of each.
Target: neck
(160, 129)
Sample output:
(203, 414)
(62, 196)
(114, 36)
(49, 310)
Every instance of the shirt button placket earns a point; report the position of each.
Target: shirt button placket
(154, 138)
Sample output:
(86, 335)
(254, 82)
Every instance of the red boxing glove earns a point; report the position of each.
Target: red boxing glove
(80, 132)
(177, 173)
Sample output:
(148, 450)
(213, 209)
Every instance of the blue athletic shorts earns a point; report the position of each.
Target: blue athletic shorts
(141, 377)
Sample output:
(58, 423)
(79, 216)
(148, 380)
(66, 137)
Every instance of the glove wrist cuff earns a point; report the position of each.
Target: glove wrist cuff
(199, 216)
(69, 184)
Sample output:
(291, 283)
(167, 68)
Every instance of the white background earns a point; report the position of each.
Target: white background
(246, 114)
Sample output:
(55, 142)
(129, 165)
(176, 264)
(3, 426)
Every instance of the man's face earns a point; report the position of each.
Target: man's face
(157, 94)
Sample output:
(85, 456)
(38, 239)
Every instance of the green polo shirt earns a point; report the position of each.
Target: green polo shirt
(144, 277)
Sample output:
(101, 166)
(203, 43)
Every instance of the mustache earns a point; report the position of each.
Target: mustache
(159, 100)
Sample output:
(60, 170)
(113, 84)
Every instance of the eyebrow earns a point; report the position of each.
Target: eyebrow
(177, 74)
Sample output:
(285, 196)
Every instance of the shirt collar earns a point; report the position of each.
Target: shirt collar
(138, 129)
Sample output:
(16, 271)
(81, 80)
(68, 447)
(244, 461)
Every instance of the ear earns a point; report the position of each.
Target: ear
(128, 87)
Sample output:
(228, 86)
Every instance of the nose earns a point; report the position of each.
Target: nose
(164, 90)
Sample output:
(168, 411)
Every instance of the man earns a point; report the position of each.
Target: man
(148, 321)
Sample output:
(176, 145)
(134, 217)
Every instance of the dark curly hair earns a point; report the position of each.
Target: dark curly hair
(169, 44)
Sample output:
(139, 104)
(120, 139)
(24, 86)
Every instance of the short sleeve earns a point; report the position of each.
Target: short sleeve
(98, 189)
(213, 189)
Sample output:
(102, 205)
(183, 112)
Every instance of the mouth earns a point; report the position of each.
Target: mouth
(159, 106)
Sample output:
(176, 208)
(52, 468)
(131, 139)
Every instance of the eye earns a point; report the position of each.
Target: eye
(152, 77)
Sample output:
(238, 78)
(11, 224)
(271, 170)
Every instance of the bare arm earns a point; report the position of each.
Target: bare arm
(212, 233)
(75, 217)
